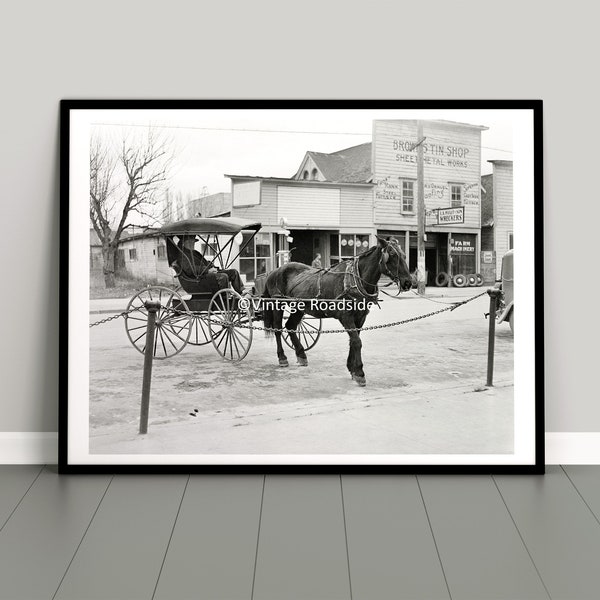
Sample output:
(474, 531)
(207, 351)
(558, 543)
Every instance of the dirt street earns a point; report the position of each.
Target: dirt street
(420, 396)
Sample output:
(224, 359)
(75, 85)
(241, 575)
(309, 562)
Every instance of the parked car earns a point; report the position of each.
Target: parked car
(506, 308)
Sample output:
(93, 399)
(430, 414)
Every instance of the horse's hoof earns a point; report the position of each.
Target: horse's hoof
(303, 362)
(360, 379)
(284, 363)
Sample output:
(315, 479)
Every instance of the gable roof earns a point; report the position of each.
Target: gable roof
(350, 165)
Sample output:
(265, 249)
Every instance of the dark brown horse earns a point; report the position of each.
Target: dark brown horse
(351, 285)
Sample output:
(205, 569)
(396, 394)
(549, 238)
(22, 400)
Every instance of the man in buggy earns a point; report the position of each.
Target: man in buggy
(192, 265)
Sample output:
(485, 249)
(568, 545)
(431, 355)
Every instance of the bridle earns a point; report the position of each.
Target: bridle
(384, 259)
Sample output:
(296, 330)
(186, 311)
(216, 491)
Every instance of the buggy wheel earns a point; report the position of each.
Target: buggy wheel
(230, 325)
(199, 330)
(308, 331)
(172, 322)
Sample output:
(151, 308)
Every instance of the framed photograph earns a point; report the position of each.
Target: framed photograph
(301, 286)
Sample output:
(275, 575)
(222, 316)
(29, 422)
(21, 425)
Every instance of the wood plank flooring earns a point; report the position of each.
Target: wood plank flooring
(299, 537)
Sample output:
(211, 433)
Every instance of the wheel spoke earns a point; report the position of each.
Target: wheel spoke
(310, 326)
(304, 343)
(223, 338)
(234, 340)
(135, 318)
(244, 346)
(162, 340)
(139, 337)
(247, 338)
(164, 335)
(219, 334)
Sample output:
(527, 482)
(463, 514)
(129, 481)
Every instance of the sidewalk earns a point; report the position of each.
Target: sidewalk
(413, 420)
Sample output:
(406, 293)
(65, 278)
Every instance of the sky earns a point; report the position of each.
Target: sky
(272, 143)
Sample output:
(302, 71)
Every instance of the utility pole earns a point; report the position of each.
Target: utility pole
(420, 212)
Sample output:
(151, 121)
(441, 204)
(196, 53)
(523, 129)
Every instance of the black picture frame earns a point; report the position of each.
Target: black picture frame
(72, 395)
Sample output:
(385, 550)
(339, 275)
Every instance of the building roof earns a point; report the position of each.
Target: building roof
(294, 181)
(350, 165)
(443, 123)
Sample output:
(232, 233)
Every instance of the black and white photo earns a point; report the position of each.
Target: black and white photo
(302, 285)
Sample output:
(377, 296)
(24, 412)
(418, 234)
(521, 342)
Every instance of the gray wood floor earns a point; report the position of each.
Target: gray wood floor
(299, 537)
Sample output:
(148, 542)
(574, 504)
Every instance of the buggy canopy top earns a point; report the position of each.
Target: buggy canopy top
(213, 225)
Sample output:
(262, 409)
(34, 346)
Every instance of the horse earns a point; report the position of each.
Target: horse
(346, 284)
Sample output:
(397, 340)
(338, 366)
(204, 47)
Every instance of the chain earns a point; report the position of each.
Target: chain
(117, 316)
(450, 307)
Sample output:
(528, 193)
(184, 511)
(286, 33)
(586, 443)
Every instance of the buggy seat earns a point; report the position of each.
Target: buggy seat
(201, 286)
(206, 284)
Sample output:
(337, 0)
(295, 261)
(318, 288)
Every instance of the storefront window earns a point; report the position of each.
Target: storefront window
(463, 252)
(255, 259)
(348, 245)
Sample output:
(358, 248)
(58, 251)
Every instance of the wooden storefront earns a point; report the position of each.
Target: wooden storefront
(452, 191)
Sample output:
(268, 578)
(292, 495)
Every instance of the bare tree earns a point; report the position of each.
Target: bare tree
(125, 186)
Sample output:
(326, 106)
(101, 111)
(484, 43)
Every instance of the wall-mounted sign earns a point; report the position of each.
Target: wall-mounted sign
(462, 244)
(487, 256)
(447, 216)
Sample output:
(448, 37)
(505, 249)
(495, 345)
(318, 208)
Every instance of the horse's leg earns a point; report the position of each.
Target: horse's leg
(277, 324)
(291, 326)
(354, 362)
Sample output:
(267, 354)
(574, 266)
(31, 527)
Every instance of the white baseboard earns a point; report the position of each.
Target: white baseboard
(562, 448)
(566, 448)
(28, 447)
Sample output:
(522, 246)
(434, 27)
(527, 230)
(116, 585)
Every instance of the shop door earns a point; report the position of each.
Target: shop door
(302, 246)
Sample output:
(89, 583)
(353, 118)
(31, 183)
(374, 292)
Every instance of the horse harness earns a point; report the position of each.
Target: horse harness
(353, 280)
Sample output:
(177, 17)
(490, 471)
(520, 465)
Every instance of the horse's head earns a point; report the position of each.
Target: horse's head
(392, 263)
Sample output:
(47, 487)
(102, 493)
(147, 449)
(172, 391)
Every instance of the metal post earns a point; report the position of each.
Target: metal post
(152, 307)
(494, 295)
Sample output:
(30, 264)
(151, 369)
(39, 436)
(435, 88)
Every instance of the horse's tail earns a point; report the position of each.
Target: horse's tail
(268, 316)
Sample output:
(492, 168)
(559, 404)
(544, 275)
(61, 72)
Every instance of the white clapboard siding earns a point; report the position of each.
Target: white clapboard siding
(357, 207)
(452, 154)
(309, 207)
(503, 208)
(147, 266)
(266, 211)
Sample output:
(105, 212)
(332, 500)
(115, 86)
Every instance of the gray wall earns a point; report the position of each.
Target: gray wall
(149, 49)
